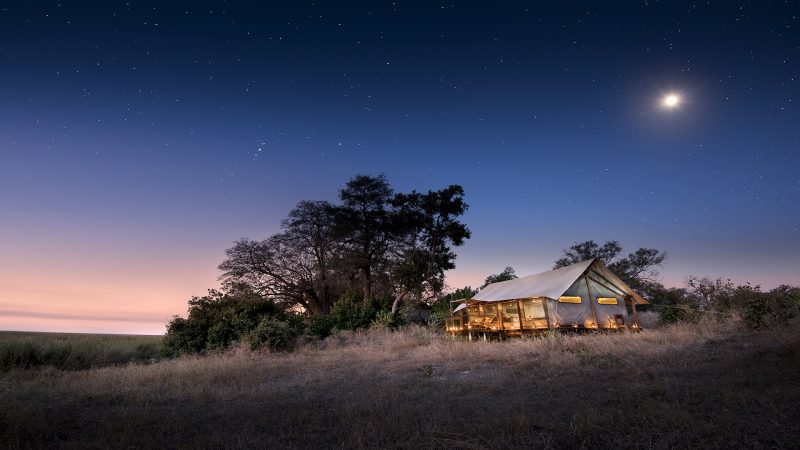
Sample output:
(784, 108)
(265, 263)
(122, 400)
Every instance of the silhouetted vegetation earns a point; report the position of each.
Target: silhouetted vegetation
(218, 320)
(724, 299)
(376, 242)
(374, 259)
(506, 275)
(638, 269)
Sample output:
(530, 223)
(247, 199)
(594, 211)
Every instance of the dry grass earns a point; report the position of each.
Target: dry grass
(682, 386)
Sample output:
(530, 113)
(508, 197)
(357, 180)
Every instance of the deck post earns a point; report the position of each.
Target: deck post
(635, 316)
(499, 317)
(546, 308)
(519, 315)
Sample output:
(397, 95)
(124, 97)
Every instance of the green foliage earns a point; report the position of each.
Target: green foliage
(271, 333)
(383, 319)
(440, 309)
(723, 298)
(375, 242)
(428, 228)
(319, 326)
(216, 321)
(757, 309)
(505, 275)
(183, 337)
(674, 305)
(582, 251)
(636, 269)
(775, 306)
(351, 312)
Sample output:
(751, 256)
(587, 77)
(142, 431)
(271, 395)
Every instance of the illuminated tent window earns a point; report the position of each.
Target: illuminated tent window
(533, 308)
(607, 300)
(570, 300)
(510, 309)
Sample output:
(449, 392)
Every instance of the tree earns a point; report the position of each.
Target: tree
(505, 275)
(639, 269)
(375, 242)
(428, 226)
(365, 225)
(294, 267)
(588, 250)
(710, 293)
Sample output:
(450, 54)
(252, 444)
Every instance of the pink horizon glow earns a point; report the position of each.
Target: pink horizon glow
(114, 300)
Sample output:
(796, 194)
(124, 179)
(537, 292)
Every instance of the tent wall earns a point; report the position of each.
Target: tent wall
(605, 313)
(580, 314)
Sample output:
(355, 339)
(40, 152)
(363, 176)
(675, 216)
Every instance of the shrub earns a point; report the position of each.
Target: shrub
(383, 319)
(183, 337)
(675, 305)
(274, 334)
(216, 321)
(319, 326)
(724, 299)
(761, 309)
(350, 312)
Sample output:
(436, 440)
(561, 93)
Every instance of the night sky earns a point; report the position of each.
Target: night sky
(139, 140)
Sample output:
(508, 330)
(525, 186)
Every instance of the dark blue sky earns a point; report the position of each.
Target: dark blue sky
(138, 140)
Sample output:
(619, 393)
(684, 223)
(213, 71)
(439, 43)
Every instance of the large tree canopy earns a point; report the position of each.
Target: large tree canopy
(376, 242)
(638, 269)
(365, 226)
(428, 227)
(506, 275)
(295, 267)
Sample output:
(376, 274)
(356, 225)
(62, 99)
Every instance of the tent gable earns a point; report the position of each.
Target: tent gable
(555, 283)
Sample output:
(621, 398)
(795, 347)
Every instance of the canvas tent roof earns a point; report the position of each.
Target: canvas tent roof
(551, 284)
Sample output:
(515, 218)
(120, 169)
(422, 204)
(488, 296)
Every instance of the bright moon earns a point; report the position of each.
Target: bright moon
(671, 101)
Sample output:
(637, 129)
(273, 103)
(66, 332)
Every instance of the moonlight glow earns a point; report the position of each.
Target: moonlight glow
(671, 101)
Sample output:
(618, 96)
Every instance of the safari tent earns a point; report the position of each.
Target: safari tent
(586, 295)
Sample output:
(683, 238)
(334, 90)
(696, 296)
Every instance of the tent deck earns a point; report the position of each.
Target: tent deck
(461, 323)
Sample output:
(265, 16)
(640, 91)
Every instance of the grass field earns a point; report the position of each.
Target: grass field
(25, 350)
(708, 386)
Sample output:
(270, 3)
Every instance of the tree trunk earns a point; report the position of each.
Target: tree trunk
(366, 284)
(396, 303)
